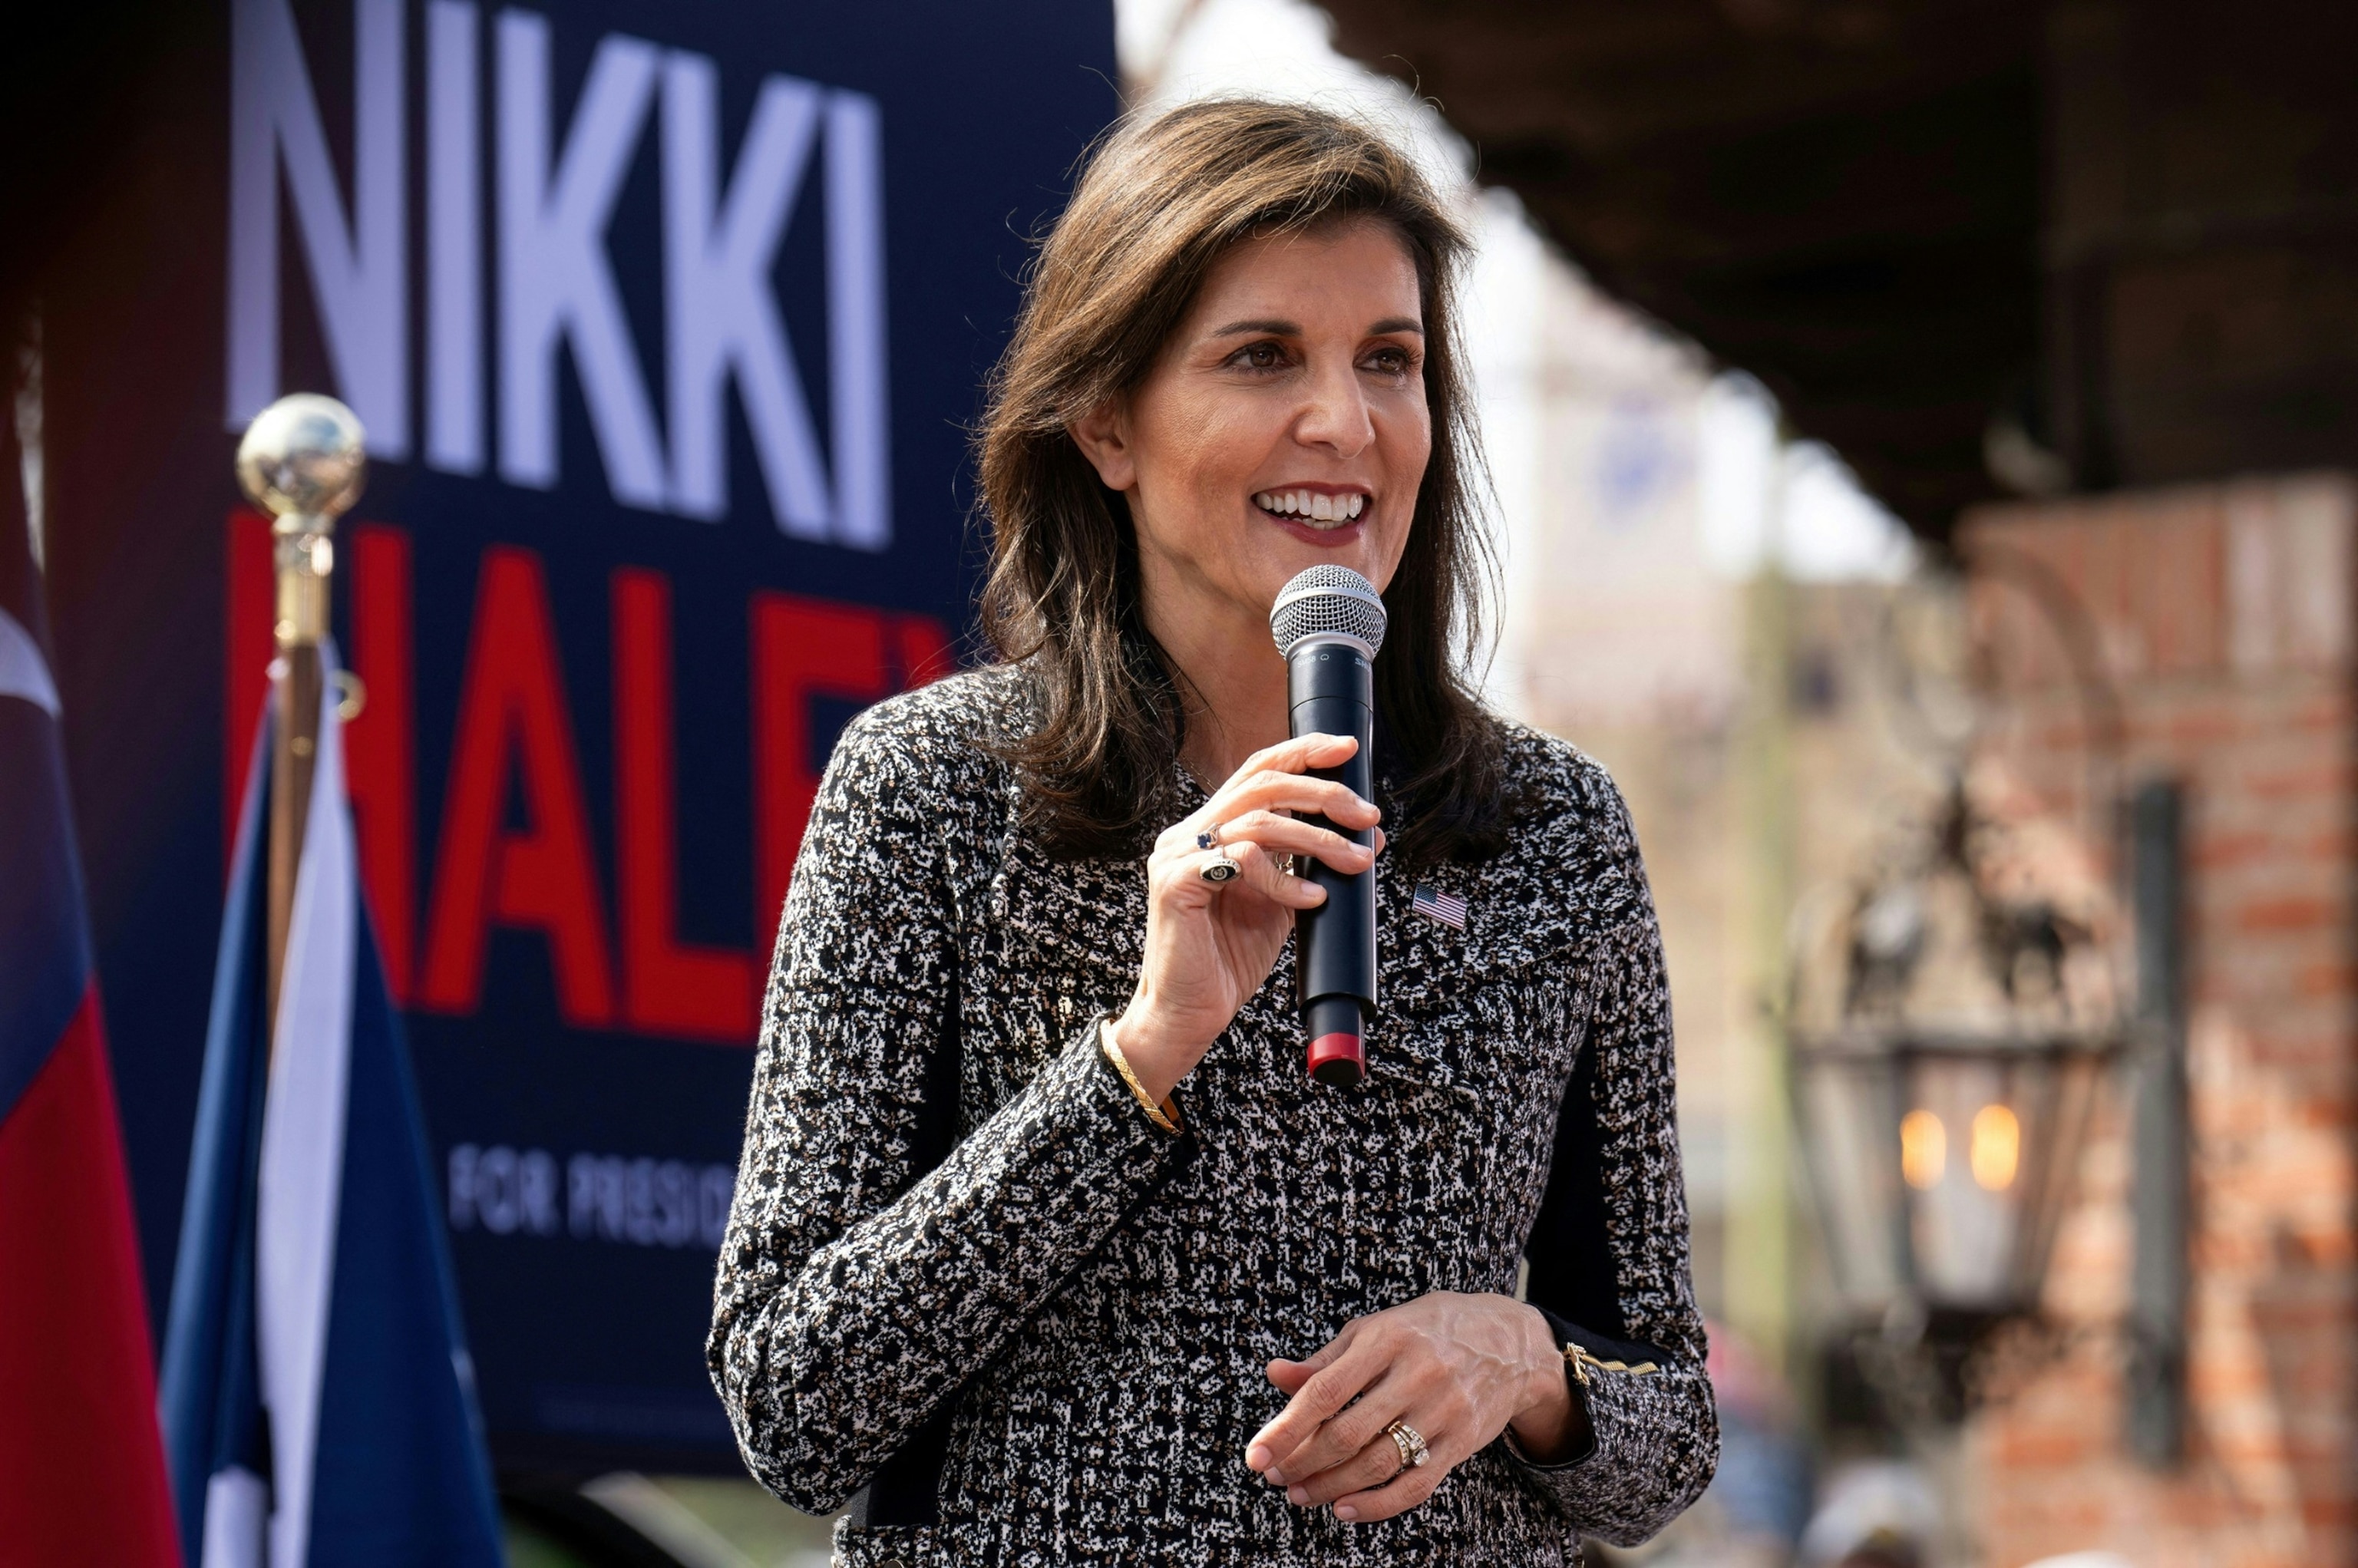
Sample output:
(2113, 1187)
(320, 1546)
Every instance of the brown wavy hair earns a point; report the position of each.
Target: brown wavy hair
(1159, 202)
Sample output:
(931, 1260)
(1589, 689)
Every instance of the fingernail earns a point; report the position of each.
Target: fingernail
(1297, 1496)
(1275, 1477)
(1345, 1511)
(1257, 1456)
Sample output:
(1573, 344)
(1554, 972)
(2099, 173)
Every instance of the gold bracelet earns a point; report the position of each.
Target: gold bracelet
(1165, 1116)
(1581, 1361)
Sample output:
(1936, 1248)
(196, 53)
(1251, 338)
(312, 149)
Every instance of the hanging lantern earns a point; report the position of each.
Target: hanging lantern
(1950, 1029)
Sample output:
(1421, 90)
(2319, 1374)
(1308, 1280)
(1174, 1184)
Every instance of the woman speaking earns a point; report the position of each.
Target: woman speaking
(1044, 1245)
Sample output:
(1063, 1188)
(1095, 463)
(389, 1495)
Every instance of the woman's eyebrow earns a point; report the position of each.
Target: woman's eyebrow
(1273, 328)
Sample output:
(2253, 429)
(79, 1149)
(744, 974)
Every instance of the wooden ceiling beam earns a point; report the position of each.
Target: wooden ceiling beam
(1840, 196)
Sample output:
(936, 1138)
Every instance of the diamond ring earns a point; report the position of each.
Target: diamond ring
(1410, 1443)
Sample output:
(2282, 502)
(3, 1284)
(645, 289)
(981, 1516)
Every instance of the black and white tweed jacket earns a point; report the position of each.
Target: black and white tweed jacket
(1049, 1347)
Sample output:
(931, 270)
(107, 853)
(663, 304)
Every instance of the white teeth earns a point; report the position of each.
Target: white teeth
(1312, 507)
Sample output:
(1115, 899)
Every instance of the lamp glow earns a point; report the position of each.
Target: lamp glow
(1996, 1147)
(1923, 1149)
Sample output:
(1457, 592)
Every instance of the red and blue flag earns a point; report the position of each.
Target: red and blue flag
(318, 1399)
(81, 1468)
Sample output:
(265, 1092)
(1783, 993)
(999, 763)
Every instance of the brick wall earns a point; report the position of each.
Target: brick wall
(2221, 617)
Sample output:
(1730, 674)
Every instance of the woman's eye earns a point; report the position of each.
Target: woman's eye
(1388, 362)
(1261, 356)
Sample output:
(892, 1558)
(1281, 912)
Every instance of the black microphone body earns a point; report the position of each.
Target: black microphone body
(1329, 623)
(1330, 691)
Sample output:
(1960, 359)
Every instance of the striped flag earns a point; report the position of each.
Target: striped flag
(319, 1406)
(82, 1471)
(1434, 904)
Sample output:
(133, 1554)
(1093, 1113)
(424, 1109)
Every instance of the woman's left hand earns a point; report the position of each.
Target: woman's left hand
(1458, 1369)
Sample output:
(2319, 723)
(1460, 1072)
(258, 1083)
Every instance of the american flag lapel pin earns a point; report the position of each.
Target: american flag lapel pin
(1433, 904)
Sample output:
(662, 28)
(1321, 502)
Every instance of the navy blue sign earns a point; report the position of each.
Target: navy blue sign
(665, 322)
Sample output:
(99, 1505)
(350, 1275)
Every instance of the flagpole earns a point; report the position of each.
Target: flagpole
(303, 460)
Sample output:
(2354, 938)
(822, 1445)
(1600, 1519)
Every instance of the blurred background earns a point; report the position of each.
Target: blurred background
(1922, 437)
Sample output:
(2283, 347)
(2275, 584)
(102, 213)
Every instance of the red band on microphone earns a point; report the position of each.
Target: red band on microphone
(1339, 1059)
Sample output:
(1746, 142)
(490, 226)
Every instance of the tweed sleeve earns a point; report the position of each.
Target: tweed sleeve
(857, 1291)
(1609, 1256)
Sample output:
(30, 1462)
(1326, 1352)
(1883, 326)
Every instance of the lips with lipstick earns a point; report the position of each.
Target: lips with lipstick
(1312, 507)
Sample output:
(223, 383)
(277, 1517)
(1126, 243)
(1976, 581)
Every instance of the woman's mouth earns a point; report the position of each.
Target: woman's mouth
(1313, 509)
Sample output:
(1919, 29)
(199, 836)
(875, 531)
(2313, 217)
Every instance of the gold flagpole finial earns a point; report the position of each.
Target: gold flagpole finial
(303, 460)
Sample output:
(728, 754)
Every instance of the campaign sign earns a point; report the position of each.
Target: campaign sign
(666, 323)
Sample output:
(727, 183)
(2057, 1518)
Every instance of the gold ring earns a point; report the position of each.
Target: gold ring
(1410, 1443)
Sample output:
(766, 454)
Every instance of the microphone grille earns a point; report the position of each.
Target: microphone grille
(1328, 601)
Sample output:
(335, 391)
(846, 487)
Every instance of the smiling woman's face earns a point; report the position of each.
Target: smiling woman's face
(1284, 424)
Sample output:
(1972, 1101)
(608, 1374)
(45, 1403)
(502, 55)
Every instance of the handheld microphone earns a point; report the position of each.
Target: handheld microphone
(1328, 622)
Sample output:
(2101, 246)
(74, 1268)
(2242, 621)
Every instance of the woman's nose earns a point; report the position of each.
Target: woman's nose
(1337, 415)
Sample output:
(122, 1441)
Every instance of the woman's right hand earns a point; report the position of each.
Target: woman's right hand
(1209, 945)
